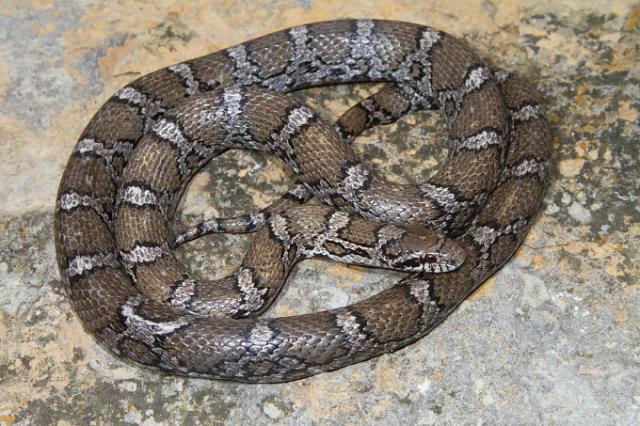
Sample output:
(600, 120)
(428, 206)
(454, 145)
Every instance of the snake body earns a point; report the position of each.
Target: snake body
(133, 160)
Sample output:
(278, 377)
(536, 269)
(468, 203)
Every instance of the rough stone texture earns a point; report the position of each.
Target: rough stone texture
(552, 338)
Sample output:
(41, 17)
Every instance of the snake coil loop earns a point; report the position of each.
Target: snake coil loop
(124, 179)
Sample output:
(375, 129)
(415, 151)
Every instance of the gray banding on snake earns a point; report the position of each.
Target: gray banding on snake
(384, 107)
(430, 67)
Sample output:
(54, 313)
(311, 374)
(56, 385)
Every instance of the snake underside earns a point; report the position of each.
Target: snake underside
(122, 184)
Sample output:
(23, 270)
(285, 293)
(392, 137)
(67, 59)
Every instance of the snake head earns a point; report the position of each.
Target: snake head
(422, 250)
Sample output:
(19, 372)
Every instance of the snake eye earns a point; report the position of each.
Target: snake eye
(430, 258)
(412, 264)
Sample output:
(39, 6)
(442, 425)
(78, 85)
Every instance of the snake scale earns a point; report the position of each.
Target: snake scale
(121, 186)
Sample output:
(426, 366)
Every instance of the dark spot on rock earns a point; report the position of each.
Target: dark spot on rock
(78, 354)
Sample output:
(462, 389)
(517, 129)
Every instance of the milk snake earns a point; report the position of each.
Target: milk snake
(120, 189)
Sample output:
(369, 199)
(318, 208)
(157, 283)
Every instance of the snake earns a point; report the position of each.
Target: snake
(118, 195)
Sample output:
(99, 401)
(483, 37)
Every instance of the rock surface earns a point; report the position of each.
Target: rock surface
(561, 342)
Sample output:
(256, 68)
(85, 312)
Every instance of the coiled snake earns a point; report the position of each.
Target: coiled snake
(124, 179)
